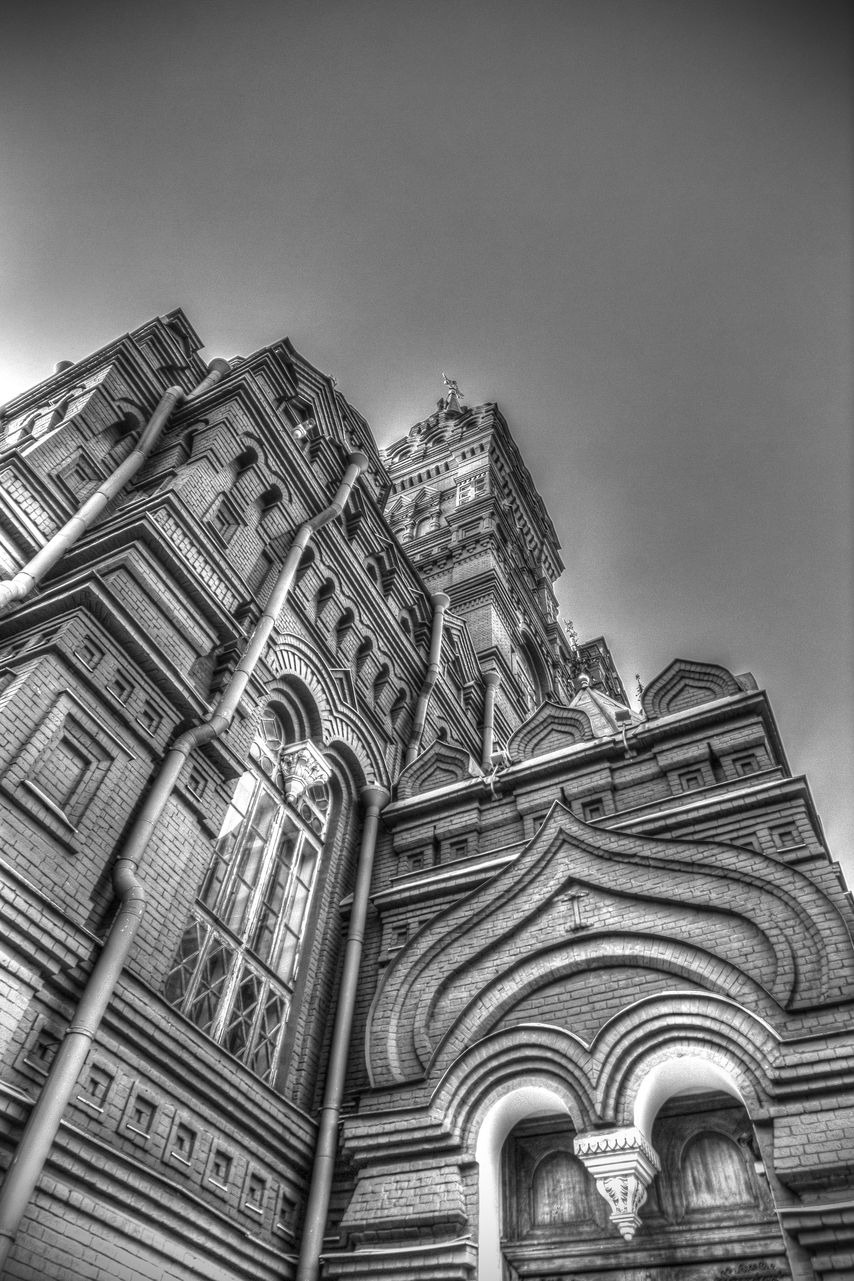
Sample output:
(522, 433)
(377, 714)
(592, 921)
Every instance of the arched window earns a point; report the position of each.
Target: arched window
(381, 682)
(120, 437)
(398, 708)
(324, 595)
(363, 653)
(270, 499)
(344, 627)
(424, 526)
(244, 461)
(234, 970)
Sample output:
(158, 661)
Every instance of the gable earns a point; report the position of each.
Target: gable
(730, 921)
(551, 727)
(687, 684)
(439, 766)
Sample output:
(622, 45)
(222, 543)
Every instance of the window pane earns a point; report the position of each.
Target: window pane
(299, 898)
(228, 841)
(237, 1033)
(212, 975)
(270, 908)
(183, 967)
(247, 865)
(270, 1028)
(287, 951)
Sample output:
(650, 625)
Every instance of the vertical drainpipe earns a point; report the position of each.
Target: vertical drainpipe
(491, 680)
(440, 603)
(317, 1206)
(28, 578)
(46, 1116)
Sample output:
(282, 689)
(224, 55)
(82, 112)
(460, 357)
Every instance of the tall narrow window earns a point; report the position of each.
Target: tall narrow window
(234, 969)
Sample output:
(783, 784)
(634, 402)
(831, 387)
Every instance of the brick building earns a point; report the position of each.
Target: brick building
(355, 925)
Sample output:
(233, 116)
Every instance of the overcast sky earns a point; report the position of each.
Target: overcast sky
(627, 221)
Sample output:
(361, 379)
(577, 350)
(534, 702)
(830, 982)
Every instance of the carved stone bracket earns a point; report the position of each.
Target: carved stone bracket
(623, 1163)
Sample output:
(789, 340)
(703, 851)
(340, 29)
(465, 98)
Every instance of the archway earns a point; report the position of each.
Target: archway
(518, 1105)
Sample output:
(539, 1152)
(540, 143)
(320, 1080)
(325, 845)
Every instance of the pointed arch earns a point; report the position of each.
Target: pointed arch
(551, 727)
(686, 684)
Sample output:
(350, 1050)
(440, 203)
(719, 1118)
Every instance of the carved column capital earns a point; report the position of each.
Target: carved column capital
(623, 1163)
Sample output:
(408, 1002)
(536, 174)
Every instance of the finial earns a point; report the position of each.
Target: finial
(571, 635)
(452, 400)
(640, 686)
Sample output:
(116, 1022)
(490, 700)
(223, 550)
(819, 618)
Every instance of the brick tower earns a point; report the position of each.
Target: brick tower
(354, 924)
(465, 507)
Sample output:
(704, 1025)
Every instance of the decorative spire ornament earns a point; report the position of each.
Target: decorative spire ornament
(453, 397)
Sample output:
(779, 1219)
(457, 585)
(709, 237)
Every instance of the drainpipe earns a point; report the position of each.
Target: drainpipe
(440, 603)
(317, 1207)
(491, 680)
(26, 579)
(45, 1118)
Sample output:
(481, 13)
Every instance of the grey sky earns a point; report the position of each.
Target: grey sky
(627, 222)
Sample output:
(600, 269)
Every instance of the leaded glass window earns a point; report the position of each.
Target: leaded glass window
(235, 966)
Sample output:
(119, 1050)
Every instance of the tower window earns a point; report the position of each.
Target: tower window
(98, 1083)
(121, 687)
(593, 809)
(690, 780)
(89, 652)
(745, 765)
(256, 1191)
(785, 837)
(234, 970)
(220, 1169)
(424, 526)
(471, 488)
(183, 1144)
(141, 1116)
(149, 717)
(197, 784)
(43, 1051)
(223, 520)
(78, 474)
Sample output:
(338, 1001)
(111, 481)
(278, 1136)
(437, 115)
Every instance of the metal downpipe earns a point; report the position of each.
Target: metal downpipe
(317, 1207)
(491, 680)
(440, 603)
(46, 1116)
(30, 575)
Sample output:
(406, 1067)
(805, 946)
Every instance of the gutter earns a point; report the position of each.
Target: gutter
(491, 680)
(28, 578)
(317, 1206)
(440, 603)
(40, 1132)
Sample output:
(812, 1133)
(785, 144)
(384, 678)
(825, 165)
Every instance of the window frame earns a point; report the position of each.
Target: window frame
(247, 928)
